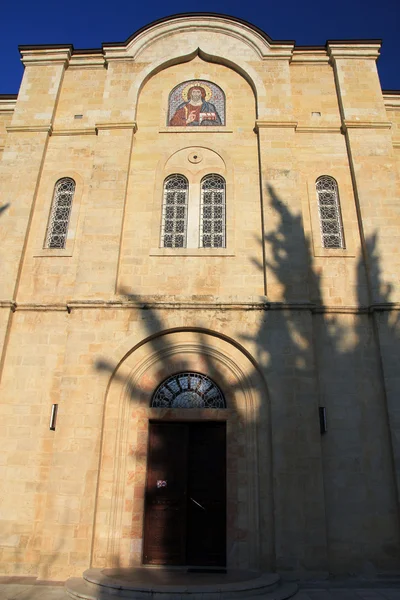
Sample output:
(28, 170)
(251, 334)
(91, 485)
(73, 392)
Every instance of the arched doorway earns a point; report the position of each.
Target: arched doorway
(120, 530)
(185, 498)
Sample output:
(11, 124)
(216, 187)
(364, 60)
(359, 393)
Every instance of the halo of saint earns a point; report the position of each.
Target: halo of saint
(186, 90)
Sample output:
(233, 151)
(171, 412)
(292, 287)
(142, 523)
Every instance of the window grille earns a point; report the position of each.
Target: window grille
(173, 234)
(329, 212)
(57, 229)
(212, 212)
(188, 390)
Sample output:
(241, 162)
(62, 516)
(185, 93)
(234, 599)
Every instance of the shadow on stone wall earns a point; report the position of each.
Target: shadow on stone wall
(4, 207)
(334, 358)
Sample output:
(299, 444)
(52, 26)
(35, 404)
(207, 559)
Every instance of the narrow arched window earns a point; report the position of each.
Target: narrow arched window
(174, 217)
(212, 212)
(60, 213)
(329, 212)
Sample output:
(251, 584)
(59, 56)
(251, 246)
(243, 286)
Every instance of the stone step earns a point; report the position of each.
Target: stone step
(97, 586)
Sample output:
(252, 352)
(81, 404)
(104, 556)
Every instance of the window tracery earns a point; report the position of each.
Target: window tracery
(212, 212)
(188, 390)
(60, 213)
(174, 218)
(329, 212)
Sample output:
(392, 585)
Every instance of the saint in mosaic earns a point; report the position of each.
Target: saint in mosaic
(196, 103)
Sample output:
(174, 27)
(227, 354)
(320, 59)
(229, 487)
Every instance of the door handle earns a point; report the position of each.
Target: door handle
(193, 500)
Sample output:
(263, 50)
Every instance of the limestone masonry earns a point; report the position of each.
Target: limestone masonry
(200, 199)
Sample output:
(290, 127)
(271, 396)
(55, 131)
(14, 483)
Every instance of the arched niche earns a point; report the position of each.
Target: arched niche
(118, 534)
(237, 65)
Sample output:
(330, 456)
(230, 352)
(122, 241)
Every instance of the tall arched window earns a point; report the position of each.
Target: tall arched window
(174, 218)
(212, 212)
(60, 213)
(329, 212)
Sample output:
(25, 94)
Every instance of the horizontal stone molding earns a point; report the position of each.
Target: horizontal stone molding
(182, 303)
(275, 124)
(7, 304)
(82, 131)
(391, 102)
(7, 105)
(29, 129)
(45, 55)
(205, 252)
(308, 56)
(366, 125)
(350, 50)
(40, 307)
(318, 129)
(127, 125)
(87, 61)
(209, 129)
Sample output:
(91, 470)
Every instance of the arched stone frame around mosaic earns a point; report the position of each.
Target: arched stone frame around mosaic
(132, 385)
(193, 82)
(241, 67)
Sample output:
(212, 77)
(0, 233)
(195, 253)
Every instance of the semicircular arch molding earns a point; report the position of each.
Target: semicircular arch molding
(255, 42)
(124, 442)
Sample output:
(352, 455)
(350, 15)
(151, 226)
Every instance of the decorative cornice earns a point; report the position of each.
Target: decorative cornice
(309, 55)
(82, 131)
(348, 49)
(7, 104)
(29, 129)
(210, 23)
(392, 102)
(275, 124)
(128, 125)
(86, 60)
(45, 55)
(366, 125)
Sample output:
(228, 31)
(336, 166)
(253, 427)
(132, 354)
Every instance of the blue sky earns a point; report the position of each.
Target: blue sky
(88, 23)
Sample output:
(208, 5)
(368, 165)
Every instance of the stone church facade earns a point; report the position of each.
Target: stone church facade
(200, 233)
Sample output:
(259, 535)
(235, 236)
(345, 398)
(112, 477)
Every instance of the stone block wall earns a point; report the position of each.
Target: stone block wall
(286, 324)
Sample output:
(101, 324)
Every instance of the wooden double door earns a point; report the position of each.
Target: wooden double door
(185, 501)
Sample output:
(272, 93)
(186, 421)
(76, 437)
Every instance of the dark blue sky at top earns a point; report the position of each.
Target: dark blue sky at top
(88, 23)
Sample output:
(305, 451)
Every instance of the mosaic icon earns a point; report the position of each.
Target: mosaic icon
(196, 103)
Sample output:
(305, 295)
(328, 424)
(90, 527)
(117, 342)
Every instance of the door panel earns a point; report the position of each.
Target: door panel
(165, 516)
(206, 509)
(185, 513)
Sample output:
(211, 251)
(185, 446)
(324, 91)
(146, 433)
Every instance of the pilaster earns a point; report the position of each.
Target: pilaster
(24, 154)
(376, 188)
(300, 524)
(97, 272)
